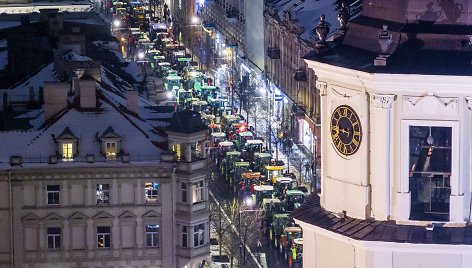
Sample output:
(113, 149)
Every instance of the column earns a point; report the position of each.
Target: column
(325, 129)
(188, 152)
(91, 239)
(204, 152)
(139, 233)
(381, 154)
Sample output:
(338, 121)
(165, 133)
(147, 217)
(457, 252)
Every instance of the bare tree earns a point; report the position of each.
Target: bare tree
(247, 222)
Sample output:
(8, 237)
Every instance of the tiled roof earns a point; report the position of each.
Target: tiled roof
(372, 230)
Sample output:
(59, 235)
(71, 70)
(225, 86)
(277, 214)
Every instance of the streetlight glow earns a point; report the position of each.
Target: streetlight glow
(116, 23)
(169, 95)
(195, 20)
(141, 55)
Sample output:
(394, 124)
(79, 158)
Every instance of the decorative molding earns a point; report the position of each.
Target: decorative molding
(430, 104)
(321, 86)
(383, 101)
(469, 102)
(343, 96)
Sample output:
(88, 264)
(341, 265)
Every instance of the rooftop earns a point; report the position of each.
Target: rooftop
(386, 231)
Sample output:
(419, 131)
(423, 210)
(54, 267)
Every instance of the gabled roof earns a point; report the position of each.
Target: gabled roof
(187, 121)
(67, 135)
(110, 133)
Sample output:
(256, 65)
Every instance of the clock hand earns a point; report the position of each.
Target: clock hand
(345, 131)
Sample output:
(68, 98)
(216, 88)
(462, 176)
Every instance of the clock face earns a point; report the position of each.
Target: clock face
(346, 131)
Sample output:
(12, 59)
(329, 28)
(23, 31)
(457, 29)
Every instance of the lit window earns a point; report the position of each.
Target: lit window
(152, 235)
(184, 237)
(53, 193)
(183, 188)
(103, 237)
(151, 190)
(110, 150)
(67, 152)
(103, 193)
(199, 235)
(54, 238)
(198, 193)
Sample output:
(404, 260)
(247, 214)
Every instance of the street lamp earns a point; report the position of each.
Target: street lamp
(242, 244)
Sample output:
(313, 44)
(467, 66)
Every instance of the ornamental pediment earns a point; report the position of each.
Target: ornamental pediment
(103, 215)
(151, 214)
(430, 104)
(78, 216)
(126, 215)
(54, 217)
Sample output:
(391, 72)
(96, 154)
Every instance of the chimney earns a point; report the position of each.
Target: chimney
(87, 93)
(132, 101)
(55, 98)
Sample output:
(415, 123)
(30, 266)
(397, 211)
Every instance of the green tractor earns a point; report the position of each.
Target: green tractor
(261, 160)
(277, 227)
(239, 169)
(228, 163)
(294, 198)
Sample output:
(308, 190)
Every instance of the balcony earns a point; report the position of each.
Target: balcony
(273, 53)
(300, 75)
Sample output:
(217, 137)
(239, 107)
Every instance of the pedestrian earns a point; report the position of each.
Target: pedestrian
(307, 169)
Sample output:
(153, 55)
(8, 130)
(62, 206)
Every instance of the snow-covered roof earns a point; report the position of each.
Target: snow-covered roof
(140, 134)
(69, 6)
(74, 56)
(307, 14)
(3, 53)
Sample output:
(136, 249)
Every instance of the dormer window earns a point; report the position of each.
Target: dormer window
(67, 145)
(111, 144)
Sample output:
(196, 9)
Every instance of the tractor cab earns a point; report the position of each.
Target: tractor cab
(224, 147)
(252, 147)
(282, 185)
(263, 192)
(279, 222)
(261, 160)
(199, 106)
(244, 136)
(228, 163)
(183, 95)
(294, 198)
(249, 180)
(163, 68)
(173, 83)
(273, 172)
(287, 239)
(239, 169)
(208, 92)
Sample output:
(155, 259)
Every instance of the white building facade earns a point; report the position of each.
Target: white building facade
(90, 188)
(396, 152)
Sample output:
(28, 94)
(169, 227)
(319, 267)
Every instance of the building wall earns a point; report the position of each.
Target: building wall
(329, 249)
(78, 216)
(374, 182)
(303, 95)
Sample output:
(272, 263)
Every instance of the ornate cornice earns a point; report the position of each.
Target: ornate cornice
(383, 101)
(468, 100)
(321, 86)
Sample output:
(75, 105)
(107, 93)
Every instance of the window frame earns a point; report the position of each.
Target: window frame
(455, 184)
(153, 234)
(56, 238)
(52, 192)
(198, 192)
(67, 154)
(106, 236)
(197, 233)
(154, 196)
(107, 191)
(110, 155)
(184, 192)
(184, 236)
